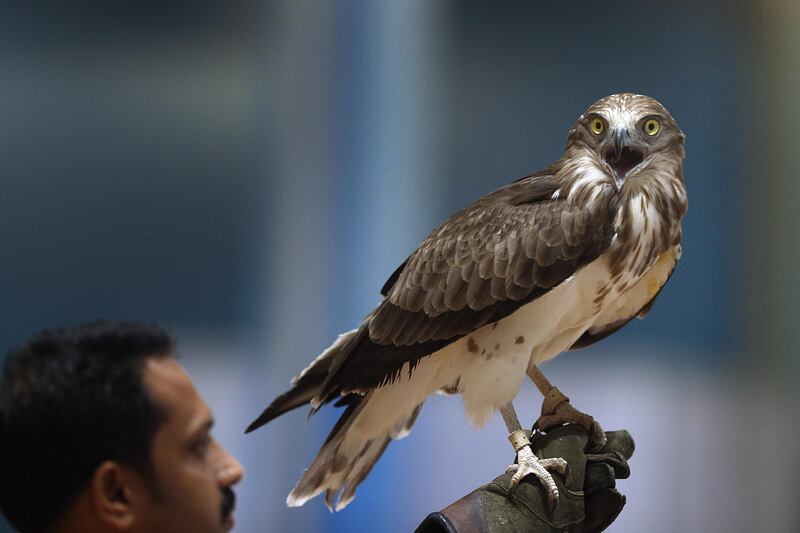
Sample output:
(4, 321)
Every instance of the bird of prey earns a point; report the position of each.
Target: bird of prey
(553, 261)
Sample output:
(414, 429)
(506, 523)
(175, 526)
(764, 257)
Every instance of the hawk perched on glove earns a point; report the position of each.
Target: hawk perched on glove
(553, 261)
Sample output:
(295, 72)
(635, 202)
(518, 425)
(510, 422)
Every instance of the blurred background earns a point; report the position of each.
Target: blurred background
(250, 173)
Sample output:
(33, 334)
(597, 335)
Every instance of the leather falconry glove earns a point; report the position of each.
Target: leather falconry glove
(589, 501)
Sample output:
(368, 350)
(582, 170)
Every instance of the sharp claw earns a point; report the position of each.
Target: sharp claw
(552, 500)
(599, 436)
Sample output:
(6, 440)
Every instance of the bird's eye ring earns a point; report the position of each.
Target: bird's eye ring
(597, 126)
(652, 127)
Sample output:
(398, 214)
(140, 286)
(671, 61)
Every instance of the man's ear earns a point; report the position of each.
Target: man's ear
(115, 494)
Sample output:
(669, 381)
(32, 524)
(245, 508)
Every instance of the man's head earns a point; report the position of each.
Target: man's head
(102, 430)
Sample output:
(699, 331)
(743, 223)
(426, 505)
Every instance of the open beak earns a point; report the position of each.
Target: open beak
(622, 155)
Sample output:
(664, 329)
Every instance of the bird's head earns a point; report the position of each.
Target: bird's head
(626, 132)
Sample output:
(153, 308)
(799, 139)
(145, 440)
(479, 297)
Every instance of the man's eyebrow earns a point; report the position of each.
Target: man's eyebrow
(205, 427)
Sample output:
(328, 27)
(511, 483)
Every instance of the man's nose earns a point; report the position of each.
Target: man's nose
(231, 471)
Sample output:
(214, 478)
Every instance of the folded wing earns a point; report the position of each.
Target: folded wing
(481, 265)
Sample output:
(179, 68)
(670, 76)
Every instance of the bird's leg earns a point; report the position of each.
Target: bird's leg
(556, 410)
(527, 462)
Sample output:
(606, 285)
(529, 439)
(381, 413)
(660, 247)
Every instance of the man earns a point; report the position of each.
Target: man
(101, 430)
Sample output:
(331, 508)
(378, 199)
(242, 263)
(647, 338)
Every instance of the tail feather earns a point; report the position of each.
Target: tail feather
(359, 437)
(346, 458)
(401, 430)
(307, 385)
(357, 472)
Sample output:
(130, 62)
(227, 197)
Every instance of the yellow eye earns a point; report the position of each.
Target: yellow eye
(597, 126)
(652, 127)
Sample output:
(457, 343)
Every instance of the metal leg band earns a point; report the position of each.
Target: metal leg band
(519, 439)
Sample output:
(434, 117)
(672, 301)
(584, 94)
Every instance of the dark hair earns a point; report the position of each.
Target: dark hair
(70, 399)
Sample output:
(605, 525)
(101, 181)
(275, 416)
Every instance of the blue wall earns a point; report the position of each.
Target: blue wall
(250, 173)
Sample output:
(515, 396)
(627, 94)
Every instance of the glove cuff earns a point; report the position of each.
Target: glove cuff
(462, 516)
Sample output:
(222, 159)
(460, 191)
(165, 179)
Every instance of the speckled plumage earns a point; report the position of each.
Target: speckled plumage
(555, 260)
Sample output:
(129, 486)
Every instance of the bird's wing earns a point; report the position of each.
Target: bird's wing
(482, 264)
(499, 253)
